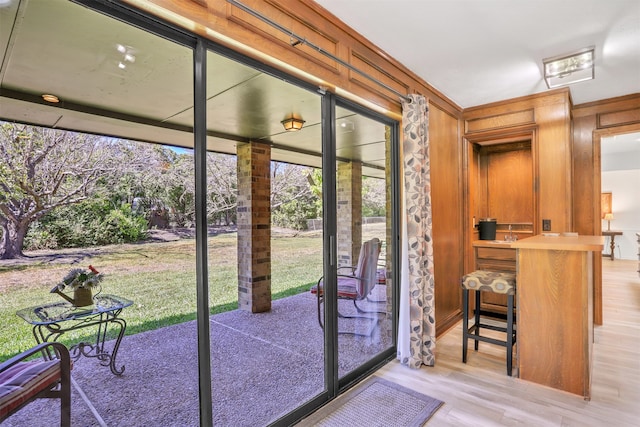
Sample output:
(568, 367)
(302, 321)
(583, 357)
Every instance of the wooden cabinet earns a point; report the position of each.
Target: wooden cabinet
(555, 311)
(493, 256)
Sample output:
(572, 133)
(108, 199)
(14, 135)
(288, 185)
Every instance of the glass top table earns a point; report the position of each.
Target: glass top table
(56, 312)
(52, 320)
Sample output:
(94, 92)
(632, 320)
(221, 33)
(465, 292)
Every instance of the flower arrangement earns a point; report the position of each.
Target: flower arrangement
(81, 278)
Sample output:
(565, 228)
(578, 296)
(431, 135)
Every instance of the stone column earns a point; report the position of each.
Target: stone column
(349, 212)
(254, 227)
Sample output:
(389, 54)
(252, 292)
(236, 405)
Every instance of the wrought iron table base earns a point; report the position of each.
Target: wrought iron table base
(53, 331)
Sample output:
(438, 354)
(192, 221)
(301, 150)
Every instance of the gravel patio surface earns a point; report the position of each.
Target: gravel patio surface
(263, 366)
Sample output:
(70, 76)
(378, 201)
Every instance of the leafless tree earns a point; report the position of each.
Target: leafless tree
(374, 195)
(289, 182)
(41, 169)
(222, 187)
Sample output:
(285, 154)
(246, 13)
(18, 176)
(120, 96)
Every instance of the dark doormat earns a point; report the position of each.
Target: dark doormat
(376, 402)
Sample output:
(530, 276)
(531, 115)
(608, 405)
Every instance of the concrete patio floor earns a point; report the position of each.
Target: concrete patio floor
(263, 366)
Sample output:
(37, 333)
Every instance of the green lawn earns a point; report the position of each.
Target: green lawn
(158, 277)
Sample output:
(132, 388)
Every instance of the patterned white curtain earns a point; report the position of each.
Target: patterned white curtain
(417, 326)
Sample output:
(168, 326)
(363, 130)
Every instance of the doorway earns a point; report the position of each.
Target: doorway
(620, 176)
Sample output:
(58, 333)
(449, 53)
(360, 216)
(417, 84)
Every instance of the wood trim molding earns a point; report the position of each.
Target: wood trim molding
(618, 118)
(500, 121)
(502, 135)
(621, 103)
(297, 25)
(550, 97)
(363, 62)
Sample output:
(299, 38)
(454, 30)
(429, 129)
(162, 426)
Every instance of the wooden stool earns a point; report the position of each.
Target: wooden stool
(488, 281)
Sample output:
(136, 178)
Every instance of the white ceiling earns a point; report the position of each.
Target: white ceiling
(481, 51)
(66, 49)
(624, 143)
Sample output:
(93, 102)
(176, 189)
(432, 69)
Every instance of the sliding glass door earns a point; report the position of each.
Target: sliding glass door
(365, 240)
(253, 299)
(264, 256)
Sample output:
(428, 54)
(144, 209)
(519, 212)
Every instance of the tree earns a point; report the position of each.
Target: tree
(293, 199)
(42, 169)
(222, 187)
(374, 197)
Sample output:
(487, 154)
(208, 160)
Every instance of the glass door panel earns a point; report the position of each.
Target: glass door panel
(265, 250)
(364, 239)
(120, 91)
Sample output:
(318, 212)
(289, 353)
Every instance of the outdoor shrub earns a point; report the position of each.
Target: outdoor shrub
(121, 226)
(69, 226)
(88, 223)
(40, 238)
(294, 214)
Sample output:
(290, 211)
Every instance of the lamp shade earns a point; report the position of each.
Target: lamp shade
(292, 124)
(608, 216)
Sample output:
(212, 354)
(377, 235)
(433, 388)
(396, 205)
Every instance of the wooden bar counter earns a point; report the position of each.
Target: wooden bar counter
(555, 310)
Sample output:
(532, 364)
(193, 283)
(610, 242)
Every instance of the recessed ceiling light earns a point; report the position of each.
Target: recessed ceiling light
(50, 98)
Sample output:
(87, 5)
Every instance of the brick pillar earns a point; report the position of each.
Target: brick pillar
(349, 212)
(254, 227)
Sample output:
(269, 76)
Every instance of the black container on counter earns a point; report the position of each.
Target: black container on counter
(487, 228)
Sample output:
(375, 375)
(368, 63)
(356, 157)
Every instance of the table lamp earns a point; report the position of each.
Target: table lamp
(608, 217)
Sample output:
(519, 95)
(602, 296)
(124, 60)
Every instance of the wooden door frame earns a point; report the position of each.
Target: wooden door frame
(598, 134)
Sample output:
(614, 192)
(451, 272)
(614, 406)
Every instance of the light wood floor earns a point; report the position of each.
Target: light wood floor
(481, 394)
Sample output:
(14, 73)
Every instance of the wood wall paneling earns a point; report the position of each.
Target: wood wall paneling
(618, 118)
(365, 61)
(554, 166)
(294, 20)
(471, 196)
(585, 216)
(550, 134)
(510, 184)
(500, 121)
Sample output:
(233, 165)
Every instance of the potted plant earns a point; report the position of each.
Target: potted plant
(81, 281)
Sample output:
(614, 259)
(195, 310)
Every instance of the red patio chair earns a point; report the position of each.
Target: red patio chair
(23, 381)
(357, 285)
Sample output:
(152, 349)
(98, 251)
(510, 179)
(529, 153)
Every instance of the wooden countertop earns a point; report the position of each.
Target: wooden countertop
(560, 243)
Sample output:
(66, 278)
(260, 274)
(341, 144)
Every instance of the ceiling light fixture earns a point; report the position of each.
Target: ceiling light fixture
(128, 55)
(50, 98)
(570, 68)
(292, 124)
